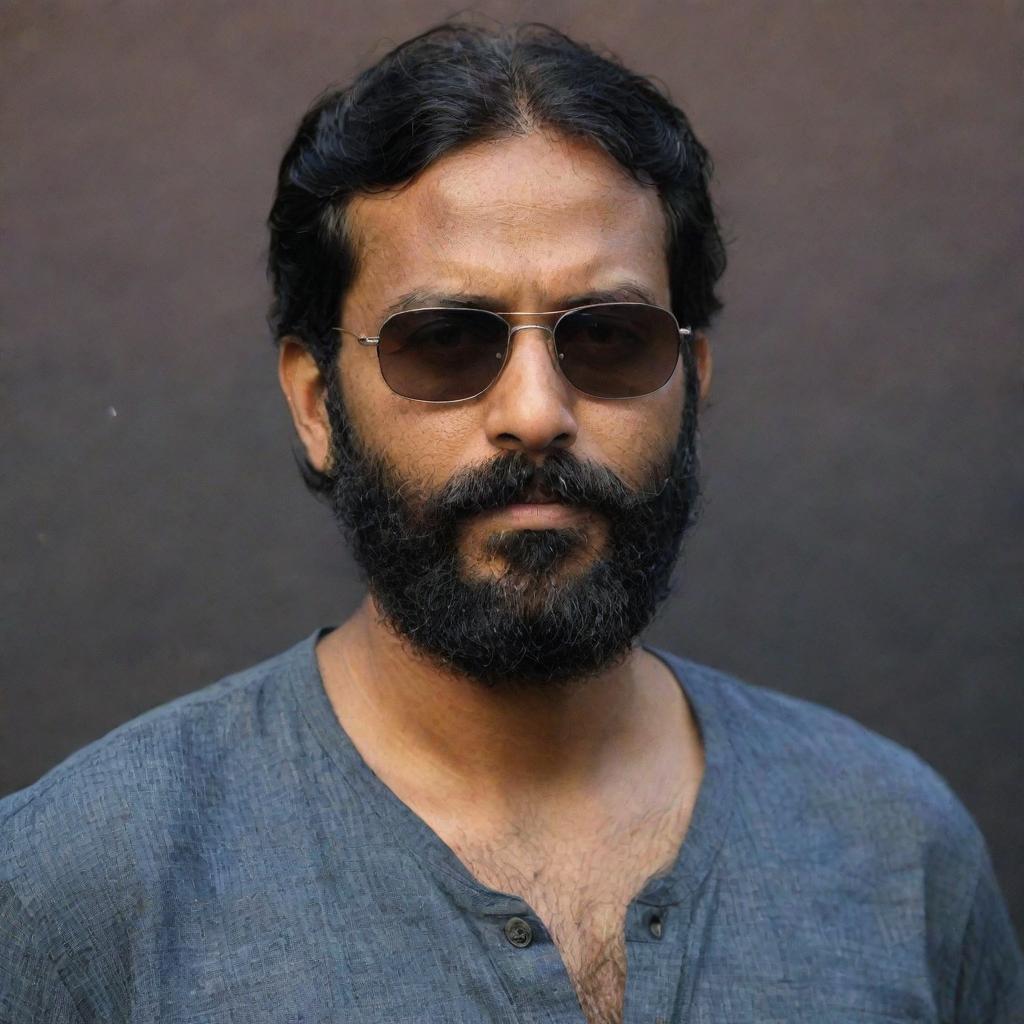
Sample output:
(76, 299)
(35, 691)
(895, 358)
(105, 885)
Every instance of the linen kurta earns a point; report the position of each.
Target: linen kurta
(230, 857)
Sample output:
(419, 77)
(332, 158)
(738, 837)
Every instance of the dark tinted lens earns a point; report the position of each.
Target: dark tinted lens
(619, 350)
(442, 355)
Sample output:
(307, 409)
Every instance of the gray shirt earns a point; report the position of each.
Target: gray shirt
(231, 857)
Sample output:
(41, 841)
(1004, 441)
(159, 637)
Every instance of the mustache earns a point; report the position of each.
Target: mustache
(512, 477)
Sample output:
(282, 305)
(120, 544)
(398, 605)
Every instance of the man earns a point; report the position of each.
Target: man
(480, 798)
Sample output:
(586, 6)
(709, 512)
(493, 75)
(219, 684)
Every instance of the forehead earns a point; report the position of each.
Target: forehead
(524, 216)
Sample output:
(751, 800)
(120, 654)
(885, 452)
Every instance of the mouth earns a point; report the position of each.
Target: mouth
(535, 508)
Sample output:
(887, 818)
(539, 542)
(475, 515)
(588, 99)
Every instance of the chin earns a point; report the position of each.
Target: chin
(535, 558)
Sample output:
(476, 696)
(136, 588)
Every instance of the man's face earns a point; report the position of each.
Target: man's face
(433, 495)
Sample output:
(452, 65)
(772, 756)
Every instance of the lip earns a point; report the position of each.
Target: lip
(535, 513)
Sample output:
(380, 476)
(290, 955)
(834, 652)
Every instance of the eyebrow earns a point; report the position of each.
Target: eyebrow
(423, 299)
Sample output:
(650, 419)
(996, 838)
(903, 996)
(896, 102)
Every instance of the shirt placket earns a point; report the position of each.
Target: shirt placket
(539, 987)
(529, 965)
(656, 939)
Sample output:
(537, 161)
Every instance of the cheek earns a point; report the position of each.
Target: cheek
(424, 443)
(631, 435)
(430, 444)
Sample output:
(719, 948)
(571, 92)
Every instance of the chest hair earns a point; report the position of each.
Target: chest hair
(580, 887)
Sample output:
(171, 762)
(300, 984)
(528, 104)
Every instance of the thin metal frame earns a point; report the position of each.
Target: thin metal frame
(373, 341)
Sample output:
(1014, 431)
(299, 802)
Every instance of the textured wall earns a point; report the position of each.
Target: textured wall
(861, 543)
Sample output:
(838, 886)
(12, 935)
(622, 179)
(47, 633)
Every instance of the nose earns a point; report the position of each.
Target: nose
(530, 406)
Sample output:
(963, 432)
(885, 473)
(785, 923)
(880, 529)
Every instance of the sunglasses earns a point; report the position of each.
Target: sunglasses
(449, 354)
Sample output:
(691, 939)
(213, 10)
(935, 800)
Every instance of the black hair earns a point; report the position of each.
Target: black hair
(457, 84)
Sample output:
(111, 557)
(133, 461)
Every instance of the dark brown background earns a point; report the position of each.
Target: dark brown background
(861, 543)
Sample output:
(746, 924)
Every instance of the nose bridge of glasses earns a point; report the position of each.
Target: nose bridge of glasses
(515, 328)
(548, 329)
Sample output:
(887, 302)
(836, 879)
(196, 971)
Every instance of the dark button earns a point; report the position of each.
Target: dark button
(655, 926)
(518, 932)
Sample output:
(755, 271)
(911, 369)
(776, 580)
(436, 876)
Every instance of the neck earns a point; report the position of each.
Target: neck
(443, 737)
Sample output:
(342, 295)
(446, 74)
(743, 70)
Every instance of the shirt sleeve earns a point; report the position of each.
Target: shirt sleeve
(31, 990)
(990, 987)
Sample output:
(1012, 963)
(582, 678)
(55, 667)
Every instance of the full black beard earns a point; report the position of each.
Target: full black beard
(538, 623)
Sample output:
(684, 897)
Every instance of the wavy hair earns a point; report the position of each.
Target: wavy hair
(451, 86)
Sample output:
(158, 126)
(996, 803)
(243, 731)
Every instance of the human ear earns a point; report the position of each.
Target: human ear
(702, 360)
(303, 387)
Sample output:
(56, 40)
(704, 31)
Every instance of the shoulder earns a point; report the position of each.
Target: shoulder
(836, 813)
(150, 754)
(808, 764)
(80, 847)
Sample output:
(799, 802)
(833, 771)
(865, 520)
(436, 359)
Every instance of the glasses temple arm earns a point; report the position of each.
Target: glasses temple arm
(361, 338)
